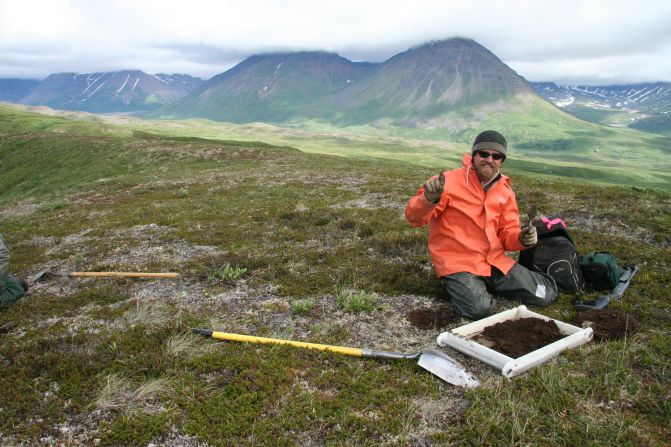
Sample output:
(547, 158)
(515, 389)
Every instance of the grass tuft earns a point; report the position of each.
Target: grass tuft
(301, 307)
(226, 273)
(187, 345)
(357, 300)
(150, 314)
(118, 393)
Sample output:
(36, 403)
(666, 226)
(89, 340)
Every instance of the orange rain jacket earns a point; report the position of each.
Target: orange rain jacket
(469, 230)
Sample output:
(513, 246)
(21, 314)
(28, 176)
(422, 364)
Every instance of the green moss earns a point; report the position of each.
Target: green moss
(138, 430)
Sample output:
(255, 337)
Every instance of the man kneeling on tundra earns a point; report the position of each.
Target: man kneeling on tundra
(473, 219)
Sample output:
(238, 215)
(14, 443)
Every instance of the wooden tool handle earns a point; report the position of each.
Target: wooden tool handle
(124, 274)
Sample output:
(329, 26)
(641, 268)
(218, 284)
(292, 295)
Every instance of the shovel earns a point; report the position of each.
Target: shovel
(48, 274)
(432, 360)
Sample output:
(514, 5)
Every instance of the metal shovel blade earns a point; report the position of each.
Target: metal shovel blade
(46, 275)
(445, 367)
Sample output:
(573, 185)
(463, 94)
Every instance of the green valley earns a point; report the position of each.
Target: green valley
(543, 141)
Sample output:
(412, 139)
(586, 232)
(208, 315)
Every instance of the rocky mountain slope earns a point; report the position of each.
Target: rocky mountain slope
(122, 91)
(271, 87)
(432, 79)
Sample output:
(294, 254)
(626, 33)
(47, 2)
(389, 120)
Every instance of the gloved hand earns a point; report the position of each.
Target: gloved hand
(434, 188)
(529, 236)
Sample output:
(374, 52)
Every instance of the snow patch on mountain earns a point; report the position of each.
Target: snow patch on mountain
(124, 83)
(649, 98)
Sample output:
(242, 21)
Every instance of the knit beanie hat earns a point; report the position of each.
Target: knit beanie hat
(492, 140)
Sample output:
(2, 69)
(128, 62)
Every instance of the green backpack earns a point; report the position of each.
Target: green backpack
(600, 270)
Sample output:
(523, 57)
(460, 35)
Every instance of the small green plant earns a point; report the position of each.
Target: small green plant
(357, 301)
(183, 192)
(78, 259)
(318, 328)
(52, 206)
(227, 273)
(301, 307)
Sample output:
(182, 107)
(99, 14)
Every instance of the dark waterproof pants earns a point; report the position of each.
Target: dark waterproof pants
(10, 290)
(472, 295)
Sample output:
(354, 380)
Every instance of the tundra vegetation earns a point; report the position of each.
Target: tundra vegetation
(276, 242)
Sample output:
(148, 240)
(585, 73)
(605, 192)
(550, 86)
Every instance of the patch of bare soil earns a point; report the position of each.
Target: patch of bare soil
(436, 318)
(516, 338)
(94, 198)
(607, 324)
(19, 210)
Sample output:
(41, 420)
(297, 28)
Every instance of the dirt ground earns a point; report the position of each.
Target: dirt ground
(516, 338)
(438, 317)
(608, 324)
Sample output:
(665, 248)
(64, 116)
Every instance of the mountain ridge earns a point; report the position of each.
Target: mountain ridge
(443, 84)
(270, 87)
(121, 91)
(409, 88)
(434, 78)
(642, 106)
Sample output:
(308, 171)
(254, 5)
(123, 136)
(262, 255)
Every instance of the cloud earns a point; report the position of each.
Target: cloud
(610, 70)
(540, 39)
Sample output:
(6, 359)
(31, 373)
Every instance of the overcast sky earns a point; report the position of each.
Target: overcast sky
(594, 42)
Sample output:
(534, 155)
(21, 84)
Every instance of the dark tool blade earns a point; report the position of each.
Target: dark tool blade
(533, 214)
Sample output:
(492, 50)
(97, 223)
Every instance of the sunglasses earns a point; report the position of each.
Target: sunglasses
(495, 155)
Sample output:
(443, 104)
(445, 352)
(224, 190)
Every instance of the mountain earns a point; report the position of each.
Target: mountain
(271, 87)
(430, 80)
(12, 90)
(641, 106)
(421, 83)
(122, 91)
(652, 98)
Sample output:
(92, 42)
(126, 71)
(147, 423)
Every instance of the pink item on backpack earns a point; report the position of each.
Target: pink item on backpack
(550, 223)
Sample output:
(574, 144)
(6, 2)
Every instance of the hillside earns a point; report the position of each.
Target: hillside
(541, 143)
(123, 91)
(274, 242)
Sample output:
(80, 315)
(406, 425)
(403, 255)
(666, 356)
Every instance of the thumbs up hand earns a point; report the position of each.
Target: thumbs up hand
(529, 236)
(434, 188)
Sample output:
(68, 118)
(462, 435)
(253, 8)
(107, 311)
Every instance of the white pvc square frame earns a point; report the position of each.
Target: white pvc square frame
(461, 339)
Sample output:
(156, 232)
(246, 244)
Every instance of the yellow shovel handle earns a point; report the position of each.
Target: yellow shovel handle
(356, 352)
(124, 274)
